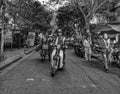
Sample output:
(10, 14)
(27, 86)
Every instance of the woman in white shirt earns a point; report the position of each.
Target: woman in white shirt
(87, 49)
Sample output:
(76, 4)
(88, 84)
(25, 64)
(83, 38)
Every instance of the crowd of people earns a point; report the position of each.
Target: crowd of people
(48, 41)
(105, 45)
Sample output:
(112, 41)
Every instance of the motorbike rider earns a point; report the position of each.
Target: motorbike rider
(50, 43)
(44, 43)
(60, 39)
(44, 39)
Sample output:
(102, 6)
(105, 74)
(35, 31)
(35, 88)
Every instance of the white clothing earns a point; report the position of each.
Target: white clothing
(86, 43)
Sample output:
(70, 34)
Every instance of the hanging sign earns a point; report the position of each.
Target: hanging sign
(8, 36)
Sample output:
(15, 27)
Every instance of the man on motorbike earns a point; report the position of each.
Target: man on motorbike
(50, 44)
(44, 46)
(60, 40)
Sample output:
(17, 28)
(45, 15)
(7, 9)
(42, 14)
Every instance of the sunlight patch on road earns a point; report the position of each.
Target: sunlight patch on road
(84, 86)
(30, 79)
(93, 85)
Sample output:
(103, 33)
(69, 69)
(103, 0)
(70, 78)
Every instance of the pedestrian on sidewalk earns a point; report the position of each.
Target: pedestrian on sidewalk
(105, 44)
(87, 48)
(111, 49)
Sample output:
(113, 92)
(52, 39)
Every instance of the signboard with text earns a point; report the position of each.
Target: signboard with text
(8, 36)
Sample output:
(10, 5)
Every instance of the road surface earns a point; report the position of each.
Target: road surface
(80, 77)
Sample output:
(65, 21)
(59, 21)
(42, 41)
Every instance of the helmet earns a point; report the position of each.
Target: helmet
(59, 32)
(114, 41)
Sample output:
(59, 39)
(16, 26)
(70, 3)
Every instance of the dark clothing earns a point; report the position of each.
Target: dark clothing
(61, 41)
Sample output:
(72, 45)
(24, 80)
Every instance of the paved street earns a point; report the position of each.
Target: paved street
(80, 77)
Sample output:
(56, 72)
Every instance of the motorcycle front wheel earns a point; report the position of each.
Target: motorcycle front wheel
(53, 69)
(118, 63)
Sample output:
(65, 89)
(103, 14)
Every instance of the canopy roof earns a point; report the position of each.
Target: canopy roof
(113, 28)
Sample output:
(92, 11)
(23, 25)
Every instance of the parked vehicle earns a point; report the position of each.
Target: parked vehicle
(79, 49)
(116, 57)
(96, 49)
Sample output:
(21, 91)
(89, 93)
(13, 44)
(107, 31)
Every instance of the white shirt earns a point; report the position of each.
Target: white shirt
(86, 43)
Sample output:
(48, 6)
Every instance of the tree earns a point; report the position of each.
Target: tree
(89, 8)
(2, 8)
(1, 3)
(67, 18)
(33, 13)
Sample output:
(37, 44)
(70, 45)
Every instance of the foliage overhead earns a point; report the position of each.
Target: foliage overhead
(67, 18)
(32, 12)
(90, 8)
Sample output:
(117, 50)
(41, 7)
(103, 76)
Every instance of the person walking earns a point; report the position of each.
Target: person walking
(105, 44)
(87, 48)
(111, 50)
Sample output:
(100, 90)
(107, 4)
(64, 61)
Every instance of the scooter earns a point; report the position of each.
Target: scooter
(118, 61)
(79, 49)
(116, 57)
(56, 60)
(44, 52)
(96, 49)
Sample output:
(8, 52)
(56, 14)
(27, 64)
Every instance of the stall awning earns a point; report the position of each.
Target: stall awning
(115, 27)
(109, 29)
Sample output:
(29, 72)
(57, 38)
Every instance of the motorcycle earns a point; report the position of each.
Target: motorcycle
(44, 52)
(56, 59)
(116, 57)
(96, 49)
(79, 49)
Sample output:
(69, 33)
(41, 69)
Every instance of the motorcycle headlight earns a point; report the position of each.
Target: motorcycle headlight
(51, 44)
(58, 46)
(118, 55)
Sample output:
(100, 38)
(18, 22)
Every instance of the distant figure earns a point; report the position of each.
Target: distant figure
(105, 44)
(87, 48)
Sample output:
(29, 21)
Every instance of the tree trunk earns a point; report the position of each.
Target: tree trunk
(53, 22)
(2, 36)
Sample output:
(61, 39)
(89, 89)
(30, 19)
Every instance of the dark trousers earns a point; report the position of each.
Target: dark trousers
(64, 56)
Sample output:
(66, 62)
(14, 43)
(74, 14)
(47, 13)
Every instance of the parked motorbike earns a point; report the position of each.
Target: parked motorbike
(116, 57)
(96, 49)
(79, 49)
(56, 60)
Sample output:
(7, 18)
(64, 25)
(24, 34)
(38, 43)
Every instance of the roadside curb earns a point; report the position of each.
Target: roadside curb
(30, 51)
(11, 60)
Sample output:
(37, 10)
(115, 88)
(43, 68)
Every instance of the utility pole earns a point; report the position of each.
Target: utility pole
(2, 32)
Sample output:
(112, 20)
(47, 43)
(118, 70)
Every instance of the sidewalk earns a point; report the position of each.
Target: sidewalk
(13, 55)
(13, 52)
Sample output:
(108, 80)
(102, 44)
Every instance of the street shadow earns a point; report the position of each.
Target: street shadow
(42, 67)
(98, 63)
